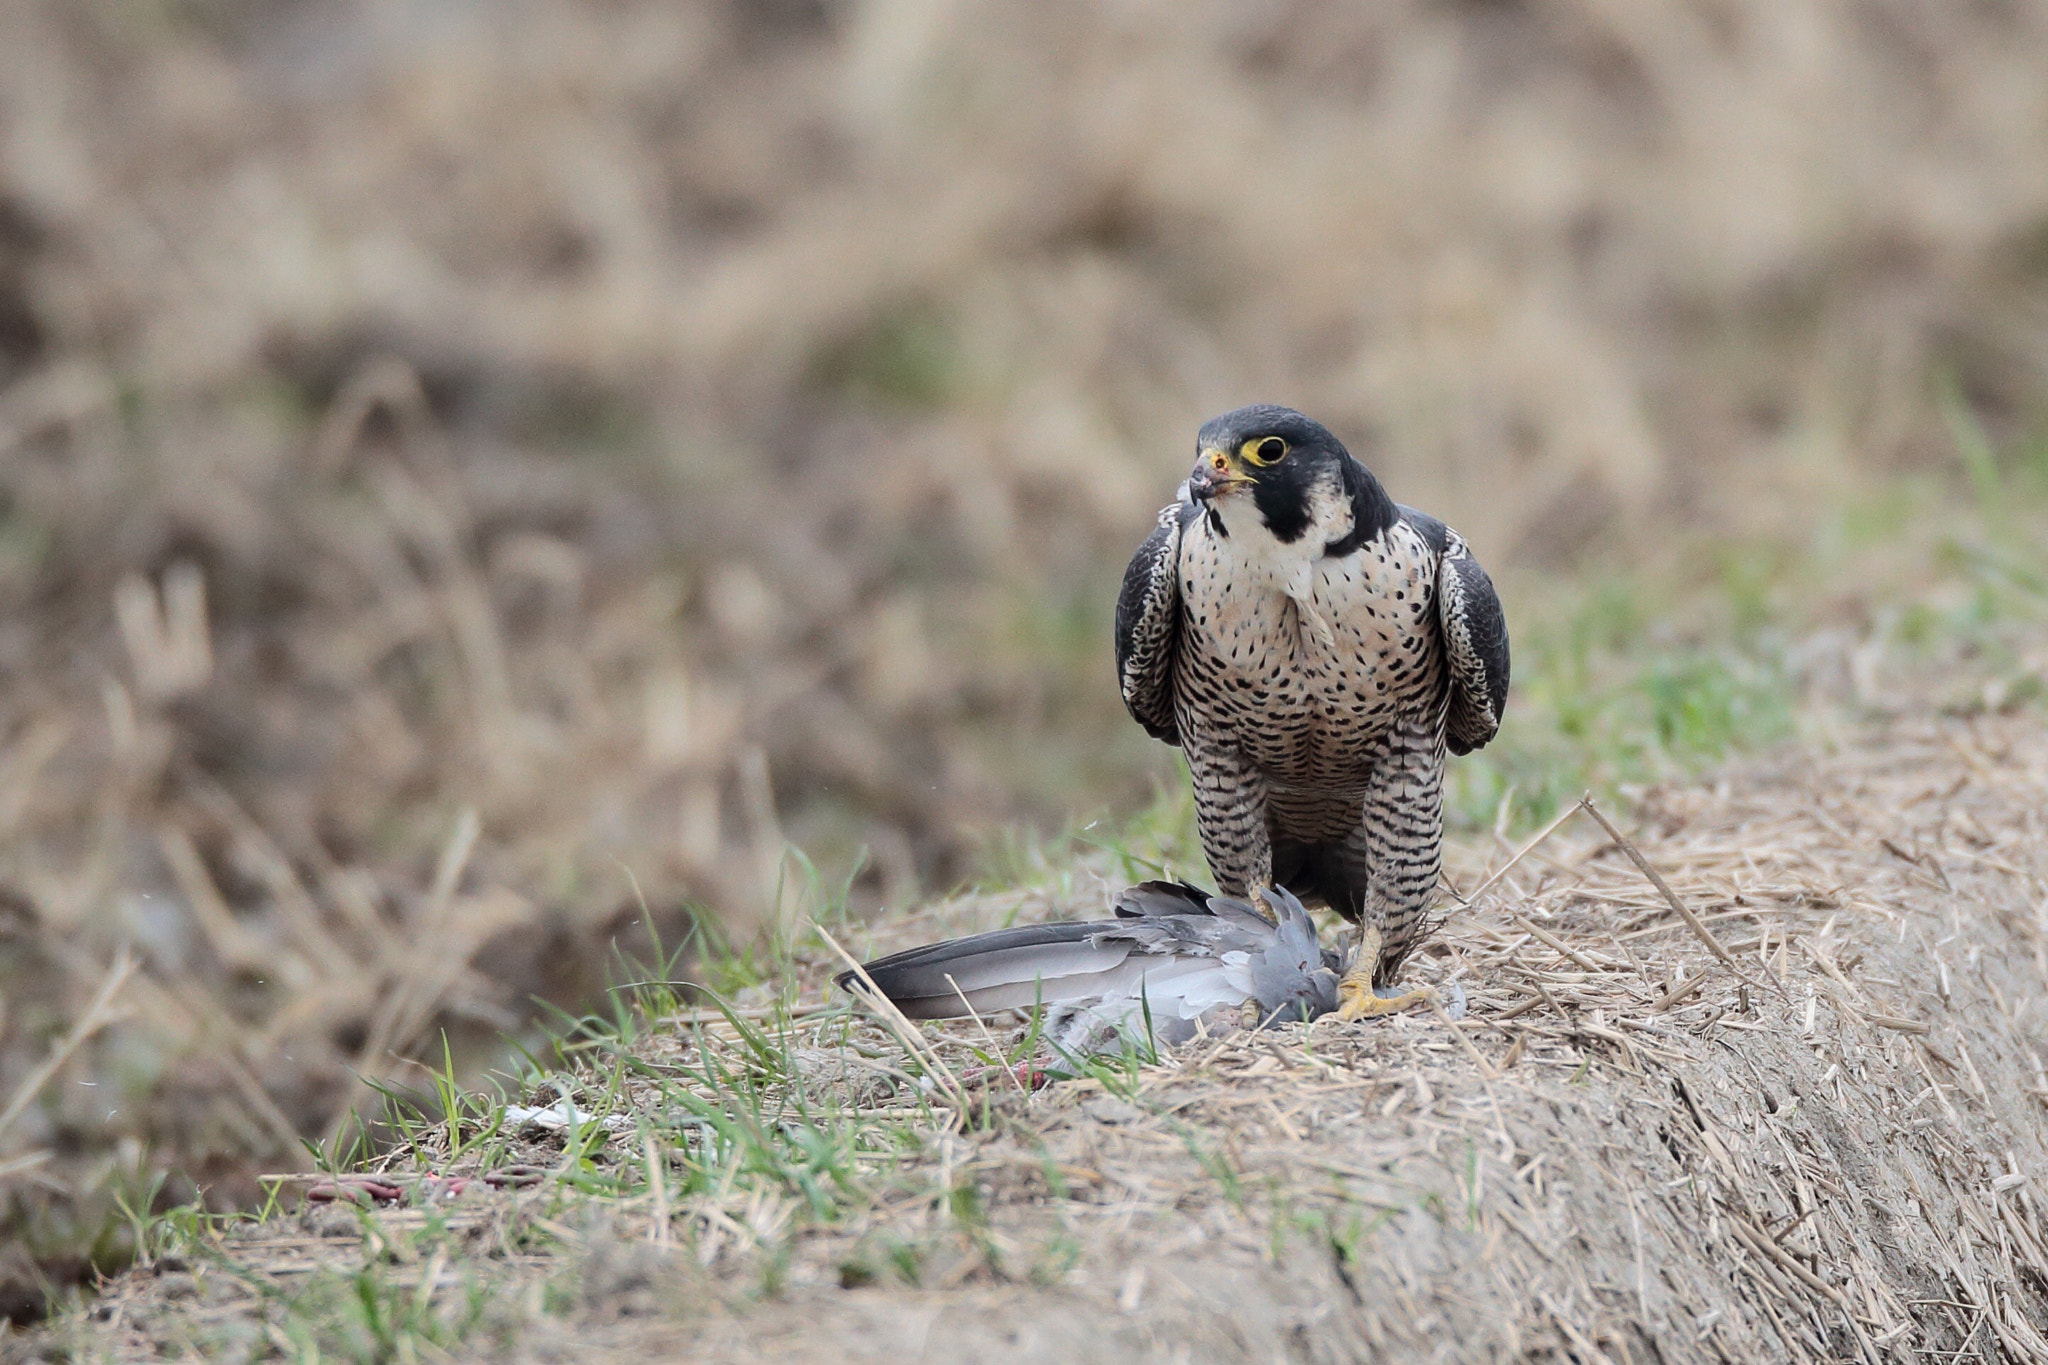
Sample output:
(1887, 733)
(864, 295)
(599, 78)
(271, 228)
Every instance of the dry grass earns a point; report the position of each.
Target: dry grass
(449, 463)
(1830, 1149)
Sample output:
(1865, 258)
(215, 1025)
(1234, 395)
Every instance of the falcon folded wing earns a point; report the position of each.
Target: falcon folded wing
(1148, 624)
(1475, 636)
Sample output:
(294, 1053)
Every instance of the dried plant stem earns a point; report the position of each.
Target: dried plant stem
(658, 1231)
(995, 1047)
(1684, 912)
(1680, 992)
(27, 1161)
(1554, 943)
(1524, 851)
(96, 1016)
(905, 1031)
(1671, 898)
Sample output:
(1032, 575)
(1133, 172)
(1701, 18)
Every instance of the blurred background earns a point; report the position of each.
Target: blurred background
(473, 469)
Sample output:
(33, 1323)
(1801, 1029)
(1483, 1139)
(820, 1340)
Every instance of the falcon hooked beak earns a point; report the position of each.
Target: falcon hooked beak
(1217, 472)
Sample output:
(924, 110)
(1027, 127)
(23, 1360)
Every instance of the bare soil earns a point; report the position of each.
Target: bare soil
(1829, 1147)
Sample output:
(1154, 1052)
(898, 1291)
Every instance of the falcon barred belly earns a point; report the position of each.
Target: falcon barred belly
(1315, 649)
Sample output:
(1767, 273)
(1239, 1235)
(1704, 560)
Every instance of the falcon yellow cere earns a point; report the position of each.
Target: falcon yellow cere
(1315, 648)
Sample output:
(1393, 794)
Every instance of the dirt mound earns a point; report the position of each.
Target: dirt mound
(1828, 1146)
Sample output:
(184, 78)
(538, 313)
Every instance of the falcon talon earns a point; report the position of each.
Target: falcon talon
(1357, 1001)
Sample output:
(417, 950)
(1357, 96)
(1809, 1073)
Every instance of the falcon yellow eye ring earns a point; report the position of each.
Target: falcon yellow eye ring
(1263, 451)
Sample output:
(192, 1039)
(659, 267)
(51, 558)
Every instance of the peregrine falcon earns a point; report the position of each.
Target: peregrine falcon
(1173, 957)
(1313, 647)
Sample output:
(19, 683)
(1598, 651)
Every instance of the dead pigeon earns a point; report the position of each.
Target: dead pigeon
(1188, 959)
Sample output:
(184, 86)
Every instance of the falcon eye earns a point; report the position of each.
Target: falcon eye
(1268, 451)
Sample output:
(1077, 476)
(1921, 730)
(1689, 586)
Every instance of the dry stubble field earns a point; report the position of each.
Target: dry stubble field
(1828, 1146)
(463, 471)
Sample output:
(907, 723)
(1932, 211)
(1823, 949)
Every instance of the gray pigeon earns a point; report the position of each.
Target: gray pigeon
(1173, 950)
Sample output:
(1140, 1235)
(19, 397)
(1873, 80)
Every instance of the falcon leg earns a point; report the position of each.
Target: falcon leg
(1401, 830)
(1230, 815)
(1357, 998)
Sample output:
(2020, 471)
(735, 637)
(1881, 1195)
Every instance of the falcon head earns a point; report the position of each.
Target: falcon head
(1287, 468)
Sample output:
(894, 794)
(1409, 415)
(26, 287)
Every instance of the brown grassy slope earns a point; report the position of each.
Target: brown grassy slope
(1831, 1150)
(663, 428)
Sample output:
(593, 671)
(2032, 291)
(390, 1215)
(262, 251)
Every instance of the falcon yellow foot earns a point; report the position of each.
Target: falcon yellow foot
(1357, 998)
(1257, 897)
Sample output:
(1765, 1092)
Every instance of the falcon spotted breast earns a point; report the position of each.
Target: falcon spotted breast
(1314, 648)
